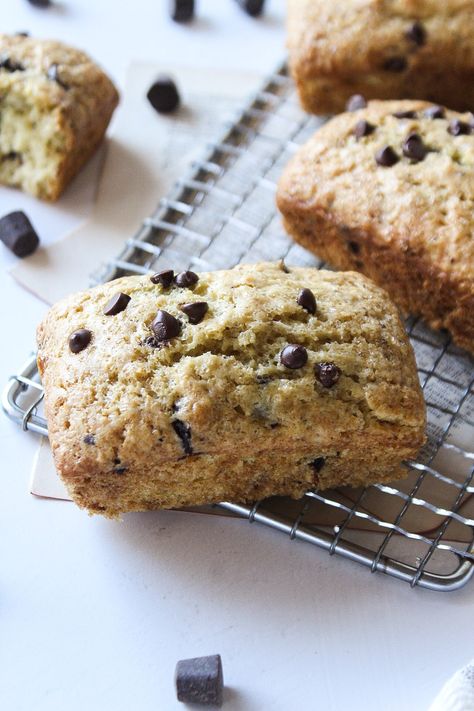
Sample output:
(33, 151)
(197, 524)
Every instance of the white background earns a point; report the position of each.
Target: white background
(94, 614)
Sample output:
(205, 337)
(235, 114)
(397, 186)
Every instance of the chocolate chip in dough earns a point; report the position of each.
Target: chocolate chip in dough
(9, 65)
(53, 74)
(165, 326)
(307, 301)
(195, 311)
(395, 64)
(434, 112)
(165, 278)
(458, 128)
(182, 10)
(117, 303)
(184, 433)
(200, 680)
(414, 148)
(386, 157)
(18, 234)
(363, 128)
(79, 340)
(186, 279)
(327, 373)
(89, 439)
(356, 102)
(404, 114)
(417, 33)
(294, 356)
(163, 95)
(317, 464)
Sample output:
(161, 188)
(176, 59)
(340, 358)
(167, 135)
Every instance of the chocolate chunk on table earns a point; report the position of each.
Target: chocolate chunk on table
(163, 95)
(18, 234)
(200, 680)
(252, 7)
(182, 10)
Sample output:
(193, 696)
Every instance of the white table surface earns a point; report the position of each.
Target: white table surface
(94, 614)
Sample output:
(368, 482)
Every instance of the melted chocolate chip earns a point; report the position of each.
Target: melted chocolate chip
(395, 64)
(363, 128)
(117, 303)
(195, 311)
(163, 95)
(356, 102)
(186, 279)
(165, 278)
(294, 356)
(165, 326)
(9, 65)
(458, 128)
(318, 463)
(386, 157)
(434, 112)
(414, 148)
(354, 247)
(53, 74)
(184, 433)
(404, 114)
(79, 340)
(89, 439)
(307, 301)
(417, 33)
(327, 373)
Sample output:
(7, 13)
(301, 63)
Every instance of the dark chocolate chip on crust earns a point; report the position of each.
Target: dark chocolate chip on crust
(354, 247)
(195, 311)
(318, 463)
(165, 278)
(79, 340)
(294, 356)
(404, 114)
(184, 433)
(89, 439)
(414, 148)
(434, 112)
(417, 33)
(458, 128)
(18, 234)
(200, 680)
(53, 74)
(356, 102)
(363, 128)
(386, 157)
(186, 279)
(307, 301)
(395, 64)
(117, 303)
(163, 95)
(165, 326)
(327, 374)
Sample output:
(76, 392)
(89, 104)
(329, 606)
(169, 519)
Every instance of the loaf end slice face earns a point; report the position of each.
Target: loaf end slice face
(389, 191)
(55, 107)
(267, 391)
(421, 49)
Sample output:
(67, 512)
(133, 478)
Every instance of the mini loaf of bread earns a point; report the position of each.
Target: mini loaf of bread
(235, 386)
(389, 191)
(55, 105)
(382, 49)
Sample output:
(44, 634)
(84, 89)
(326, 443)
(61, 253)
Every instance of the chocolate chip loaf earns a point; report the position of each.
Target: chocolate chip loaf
(236, 385)
(55, 105)
(389, 191)
(382, 49)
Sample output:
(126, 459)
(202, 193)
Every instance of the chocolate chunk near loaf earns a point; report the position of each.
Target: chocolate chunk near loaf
(397, 205)
(55, 105)
(263, 396)
(397, 49)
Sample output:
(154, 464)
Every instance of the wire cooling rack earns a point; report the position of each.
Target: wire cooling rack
(420, 530)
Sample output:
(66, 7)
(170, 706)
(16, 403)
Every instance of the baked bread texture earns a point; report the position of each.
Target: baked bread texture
(54, 110)
(273, 382)
(382, 49)
(389, 191)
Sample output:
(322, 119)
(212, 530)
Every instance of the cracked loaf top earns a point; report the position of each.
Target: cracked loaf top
(386, 49)
(258, 358)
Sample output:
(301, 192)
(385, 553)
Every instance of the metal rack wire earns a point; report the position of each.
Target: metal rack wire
(420, 530)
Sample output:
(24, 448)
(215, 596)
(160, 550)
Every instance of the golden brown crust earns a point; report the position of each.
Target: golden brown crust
(408, 227)
(368, 47)
(252, 426)
(77, 104)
